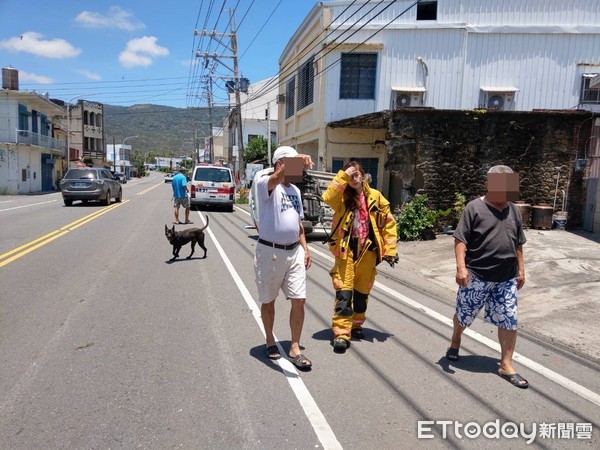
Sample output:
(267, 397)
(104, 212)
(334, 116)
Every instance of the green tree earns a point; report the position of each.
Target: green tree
(187, 163)
(257, 150)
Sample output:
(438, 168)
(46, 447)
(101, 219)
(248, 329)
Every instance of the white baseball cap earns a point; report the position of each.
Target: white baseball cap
(284, 152)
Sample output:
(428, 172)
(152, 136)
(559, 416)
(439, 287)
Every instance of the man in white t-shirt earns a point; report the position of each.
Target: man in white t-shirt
(282, 255)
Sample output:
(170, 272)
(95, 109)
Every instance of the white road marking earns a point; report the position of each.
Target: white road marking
(536, 367)
(559, 379)
(311, 409)
(148, 189)
(26, 206)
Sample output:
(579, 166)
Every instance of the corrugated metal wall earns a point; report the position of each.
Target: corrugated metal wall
(536, 46)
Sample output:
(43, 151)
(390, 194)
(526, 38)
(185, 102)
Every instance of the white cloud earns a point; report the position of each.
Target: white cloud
(116, 18)
(34, 43)
(91, 75)
(34, 78)
(142, 52)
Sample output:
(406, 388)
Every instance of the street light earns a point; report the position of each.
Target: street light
(128, 137)
(69, 123)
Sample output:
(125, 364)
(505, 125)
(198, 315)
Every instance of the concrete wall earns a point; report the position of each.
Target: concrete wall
(445, 152)
(20, 168)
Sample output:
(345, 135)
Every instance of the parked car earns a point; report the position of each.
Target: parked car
(121, 177)
(169, 177)
(318, 216)
(90, 183)
(212, 184)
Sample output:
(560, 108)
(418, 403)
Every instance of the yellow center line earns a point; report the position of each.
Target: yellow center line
(47, 238)
(149, 189)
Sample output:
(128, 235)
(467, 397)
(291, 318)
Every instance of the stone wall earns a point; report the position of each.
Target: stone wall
(441, 153)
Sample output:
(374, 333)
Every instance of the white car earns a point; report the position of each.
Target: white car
(169, 177)
(212, 184)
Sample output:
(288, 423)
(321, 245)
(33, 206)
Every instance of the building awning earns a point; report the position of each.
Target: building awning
(409, 89)
(499, 89)
(370, 120)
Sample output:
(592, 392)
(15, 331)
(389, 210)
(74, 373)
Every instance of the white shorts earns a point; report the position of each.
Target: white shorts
(277, 269)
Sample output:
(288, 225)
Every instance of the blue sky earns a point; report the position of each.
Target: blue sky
(140, 51)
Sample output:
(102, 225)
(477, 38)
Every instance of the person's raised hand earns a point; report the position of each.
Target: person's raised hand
(308, 162)
(351, 170)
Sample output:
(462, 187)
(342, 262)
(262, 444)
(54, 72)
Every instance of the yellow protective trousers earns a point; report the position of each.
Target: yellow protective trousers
(352, 281)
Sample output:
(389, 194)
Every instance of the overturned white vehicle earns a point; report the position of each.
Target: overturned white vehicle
(317, 214)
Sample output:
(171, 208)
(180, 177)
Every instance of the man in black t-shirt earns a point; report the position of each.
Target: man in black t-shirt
(488, 245)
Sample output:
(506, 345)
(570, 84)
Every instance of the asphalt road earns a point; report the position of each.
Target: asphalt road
(104, 343)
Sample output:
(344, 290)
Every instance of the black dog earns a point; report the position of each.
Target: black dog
(179, 238)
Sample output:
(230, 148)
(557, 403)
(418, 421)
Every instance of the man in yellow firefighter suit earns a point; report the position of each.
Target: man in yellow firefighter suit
(363, 234)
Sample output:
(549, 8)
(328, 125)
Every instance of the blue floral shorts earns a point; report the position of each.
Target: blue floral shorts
(499, 299)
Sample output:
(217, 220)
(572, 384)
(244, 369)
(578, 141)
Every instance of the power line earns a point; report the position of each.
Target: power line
(359, 44)
(294, 61)
(328, 34)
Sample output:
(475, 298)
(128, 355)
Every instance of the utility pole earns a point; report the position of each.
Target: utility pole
(236, 84)
(196, 145)
(238, 103)
(211, 152)
(268, 114)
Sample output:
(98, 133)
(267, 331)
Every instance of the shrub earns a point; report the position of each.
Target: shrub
(459, 204)
(414, 218)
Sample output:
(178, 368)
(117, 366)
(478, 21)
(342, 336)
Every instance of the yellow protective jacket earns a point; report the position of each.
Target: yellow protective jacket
(382, 233)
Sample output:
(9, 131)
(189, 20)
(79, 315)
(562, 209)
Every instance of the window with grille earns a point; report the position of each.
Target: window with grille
(306, 76)
(290, 96)
(590, 88)
(358, 75)
(23, 117)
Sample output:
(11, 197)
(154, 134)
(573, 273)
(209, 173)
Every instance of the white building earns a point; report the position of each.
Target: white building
(344, 61)
(220, 153)
(168, 163)
(119, 157)
(32, 141)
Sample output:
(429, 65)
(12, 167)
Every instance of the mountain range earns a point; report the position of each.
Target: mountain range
(164, 130)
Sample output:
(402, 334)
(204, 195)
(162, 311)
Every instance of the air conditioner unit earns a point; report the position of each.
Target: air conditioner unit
(280, 98)
(406, 99)
(498, 101)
